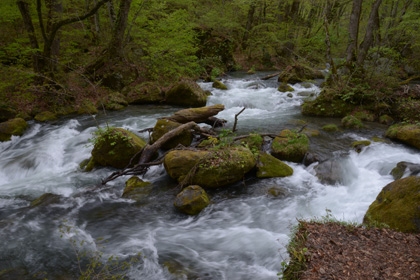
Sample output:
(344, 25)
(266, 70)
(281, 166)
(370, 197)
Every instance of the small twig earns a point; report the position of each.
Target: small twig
(236, 119)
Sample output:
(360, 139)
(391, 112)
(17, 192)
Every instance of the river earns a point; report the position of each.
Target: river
(244, 232)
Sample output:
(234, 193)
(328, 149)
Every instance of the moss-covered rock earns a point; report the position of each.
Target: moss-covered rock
(186, 93)
(87, 107)
(197, 115)
(163, 126)
(351, 122)
(277, 191)
(364, 115)
(46, 199)
(283, 87)
(210, 142)
(330, 128)
(269, 167)
(115, 147)
(310, 132)
(137, 189)
(115, 101)
(253, 142)
(327, 105)
(397, 205)
(359, 145)
(12, 127)
(403, 167)
(209, 169)
(299, 73)
(408, 134)
(380, 140)
(192, 200)
(45, 116)
(145, 93)
(290, 146)
(385, 119)
(219, 85)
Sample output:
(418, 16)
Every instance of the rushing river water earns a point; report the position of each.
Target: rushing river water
(242, 235)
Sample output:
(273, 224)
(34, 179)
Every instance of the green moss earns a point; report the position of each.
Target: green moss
(358, 145)
(269, 167)
(84, 163)
(351, 122)
(285, 88)
(87, 108)
(253, 141)
(137, 189)
(186, 93)
(397, 205)
(116, 147)
(145, 93)
(380, 140)
(326, 105)
(299, 73)
(277, 191)
(208, 142)
(12, 127)
(385, 119)
(219, 85)
(290, 146)
(45, 116)
(90, 165)
(364, 115)
(310, 132)
(209, 169)
(408, 134)
(192, 200)
(163, 126)
(330, 128)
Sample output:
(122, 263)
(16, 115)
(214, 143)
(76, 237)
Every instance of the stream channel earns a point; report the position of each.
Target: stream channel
(242, 235)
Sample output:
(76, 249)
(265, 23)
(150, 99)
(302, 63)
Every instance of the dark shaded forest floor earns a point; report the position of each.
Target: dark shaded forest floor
(337, 251)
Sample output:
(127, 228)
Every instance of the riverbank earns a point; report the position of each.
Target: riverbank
(335, 250)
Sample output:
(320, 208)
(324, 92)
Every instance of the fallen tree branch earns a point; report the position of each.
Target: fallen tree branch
(236, 119)
(270, 76)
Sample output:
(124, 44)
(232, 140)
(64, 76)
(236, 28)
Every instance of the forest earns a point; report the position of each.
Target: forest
(203, 139)
(57, 53)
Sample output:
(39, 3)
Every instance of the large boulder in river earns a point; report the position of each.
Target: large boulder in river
(408, 134)
(270, 167)
(163, 126)
(397, 205)
(290, 146)
(192, 200)
(12, 127)
(197, 115)
(219, 85)
(209, 169)
(407, 168)
(45, 116)
(186, 93)
(115, 147)
(299, 73)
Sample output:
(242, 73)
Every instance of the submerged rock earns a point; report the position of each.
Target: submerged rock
(290, 146)
(46, 199)
(269, 167)
(137, 189)
(218, 84)
(115, 147)
(209, 169)
(333, 171)
(330, 128)
(187, 93)
(192, 200)
(405, 167)
(277, 191)
(408, 134)
(397, 205)
(163, 126)
(12, 127)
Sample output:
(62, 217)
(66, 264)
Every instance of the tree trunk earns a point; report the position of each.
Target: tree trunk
(111, 12)
(115, 48)
(351, 53)
(249, 22)
(371, 31)
(27, 20)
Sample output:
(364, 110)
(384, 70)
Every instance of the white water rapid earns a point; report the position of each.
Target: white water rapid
(242, 235)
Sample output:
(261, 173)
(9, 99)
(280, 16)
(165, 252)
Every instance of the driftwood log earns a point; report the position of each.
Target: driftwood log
(197, 115)
(270, 76)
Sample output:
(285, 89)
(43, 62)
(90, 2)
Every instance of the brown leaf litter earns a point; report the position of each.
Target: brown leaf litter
(337, 251)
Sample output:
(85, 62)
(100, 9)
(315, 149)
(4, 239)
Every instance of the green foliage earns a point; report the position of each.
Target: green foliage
(93, 263)
(107, 134)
